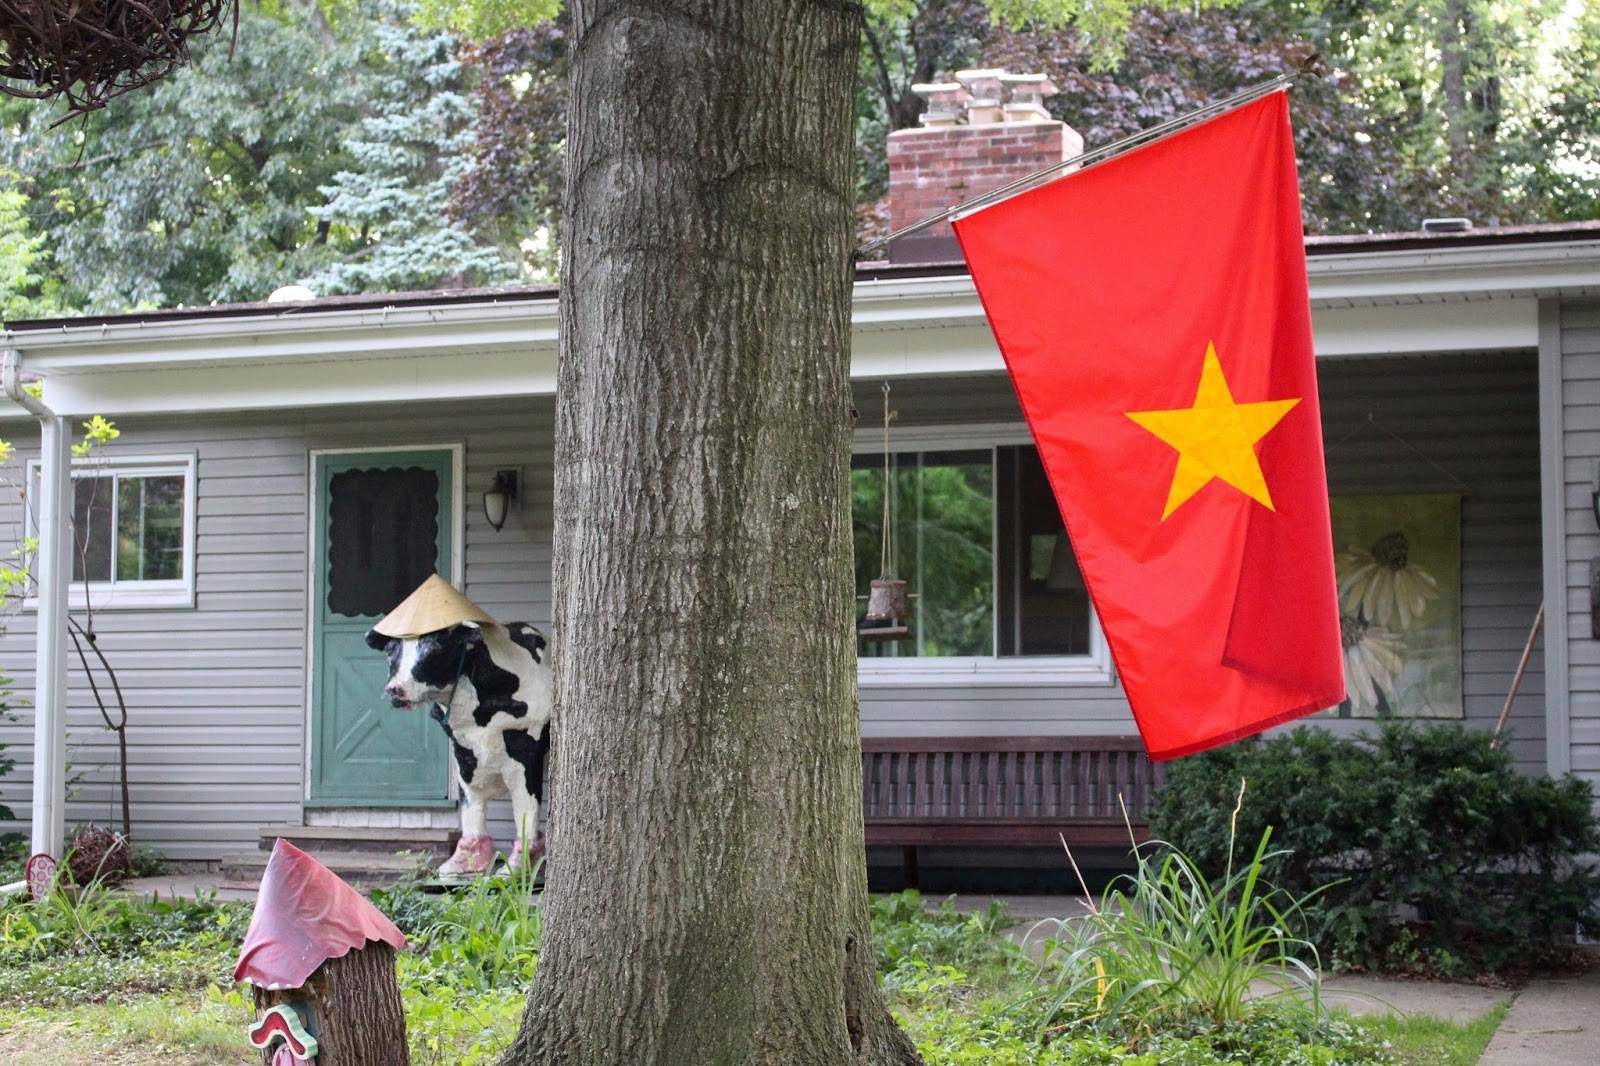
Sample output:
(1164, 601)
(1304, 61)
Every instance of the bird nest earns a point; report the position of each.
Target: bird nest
(98, 854)
(90, 51)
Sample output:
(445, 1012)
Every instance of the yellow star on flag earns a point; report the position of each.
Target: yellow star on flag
(1215, 438)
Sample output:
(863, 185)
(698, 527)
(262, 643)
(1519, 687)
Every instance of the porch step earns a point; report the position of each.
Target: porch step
(439, 842)
(355, 866)
(359, 854)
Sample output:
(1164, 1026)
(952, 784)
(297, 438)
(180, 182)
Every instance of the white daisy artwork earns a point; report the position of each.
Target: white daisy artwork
(1398, 564)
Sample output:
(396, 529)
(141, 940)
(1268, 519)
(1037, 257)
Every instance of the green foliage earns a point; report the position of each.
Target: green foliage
(163, 1028)
(942, 535)
(97, 431)
(471, 964)
(6, 765)
(994, 1035)
(23, 288)
(88, 944)
(971, 998)
(145, 861)
(407, 153)
(1431, 851)
(482, 19)
(914, 944)
(481, 938)
(1169, 950)
(317, 152)
(1479, 105)
(1424, 1039)
(13, 855)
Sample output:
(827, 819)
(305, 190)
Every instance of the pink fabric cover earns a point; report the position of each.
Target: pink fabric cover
(305, 915)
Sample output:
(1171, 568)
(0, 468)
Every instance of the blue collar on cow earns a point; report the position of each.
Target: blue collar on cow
(461, 666)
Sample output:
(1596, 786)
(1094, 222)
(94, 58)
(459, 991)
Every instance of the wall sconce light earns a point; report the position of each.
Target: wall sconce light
(497, 500)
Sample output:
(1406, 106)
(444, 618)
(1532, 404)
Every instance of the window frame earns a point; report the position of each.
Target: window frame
(1094, 668)
(115, 595)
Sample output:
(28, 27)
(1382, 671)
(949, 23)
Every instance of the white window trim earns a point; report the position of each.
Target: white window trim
(135, 595)
(1095, 668)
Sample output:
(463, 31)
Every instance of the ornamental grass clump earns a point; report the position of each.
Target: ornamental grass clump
(1170, 951)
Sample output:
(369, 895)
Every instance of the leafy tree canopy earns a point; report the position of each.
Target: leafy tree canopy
(323, 152)
(352, 149)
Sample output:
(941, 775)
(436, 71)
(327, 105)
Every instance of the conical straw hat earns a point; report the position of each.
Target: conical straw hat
(435, 605)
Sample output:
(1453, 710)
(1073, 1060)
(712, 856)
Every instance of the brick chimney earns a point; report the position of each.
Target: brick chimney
(983, 130)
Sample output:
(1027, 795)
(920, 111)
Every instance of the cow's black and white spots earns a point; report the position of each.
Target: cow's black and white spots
(491, 690)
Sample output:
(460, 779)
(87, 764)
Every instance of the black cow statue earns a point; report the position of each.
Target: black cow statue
(490, 687)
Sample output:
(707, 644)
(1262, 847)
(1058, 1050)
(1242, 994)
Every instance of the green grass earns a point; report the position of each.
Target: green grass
(1423, 1040)
(103, 979)
(165, 1028)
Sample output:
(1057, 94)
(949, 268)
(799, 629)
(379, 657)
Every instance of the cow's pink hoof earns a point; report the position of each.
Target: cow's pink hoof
(534, 853)
(474, 856)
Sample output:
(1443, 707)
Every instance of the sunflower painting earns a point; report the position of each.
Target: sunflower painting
(1398, 562)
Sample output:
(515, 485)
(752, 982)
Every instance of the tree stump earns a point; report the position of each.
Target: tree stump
(355, 1001)
(317, 948)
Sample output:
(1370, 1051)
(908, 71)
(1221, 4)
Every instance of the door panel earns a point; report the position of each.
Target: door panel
(383, 528)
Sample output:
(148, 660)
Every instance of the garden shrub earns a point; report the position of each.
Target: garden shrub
(11, 844)
(1432, 851)
(6, 764)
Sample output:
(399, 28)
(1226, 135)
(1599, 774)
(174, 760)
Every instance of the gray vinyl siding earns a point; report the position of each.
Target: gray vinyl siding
(217, 694)
(1462, 423)
(1579, 361)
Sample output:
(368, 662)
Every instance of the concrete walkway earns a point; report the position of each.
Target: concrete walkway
(1551, 1023)
(187, 886)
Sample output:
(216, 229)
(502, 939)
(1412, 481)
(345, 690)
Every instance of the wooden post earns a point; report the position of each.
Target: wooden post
(316, 947)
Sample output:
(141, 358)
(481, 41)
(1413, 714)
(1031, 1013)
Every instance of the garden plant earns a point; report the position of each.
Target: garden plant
(1428, 851)
(86, 971)
(11, 843)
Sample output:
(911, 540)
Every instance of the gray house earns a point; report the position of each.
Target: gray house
(287, 471)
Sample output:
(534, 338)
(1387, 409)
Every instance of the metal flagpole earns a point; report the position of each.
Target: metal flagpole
(1095, 155)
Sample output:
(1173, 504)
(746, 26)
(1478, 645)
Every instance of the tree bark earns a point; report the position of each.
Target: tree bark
(355, 1000)
(706, 898)
(1453, 45)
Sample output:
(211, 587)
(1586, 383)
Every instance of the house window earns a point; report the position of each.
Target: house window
(996, 595)
(133, 532)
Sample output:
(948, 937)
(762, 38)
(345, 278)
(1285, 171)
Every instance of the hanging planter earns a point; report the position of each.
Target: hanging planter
(888, 601)
(887, 604)
(91, 52)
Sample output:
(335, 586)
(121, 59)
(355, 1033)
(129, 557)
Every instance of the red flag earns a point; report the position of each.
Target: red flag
(1153, 313)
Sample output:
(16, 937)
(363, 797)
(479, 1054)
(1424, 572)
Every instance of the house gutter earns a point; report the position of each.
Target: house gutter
(52, 571)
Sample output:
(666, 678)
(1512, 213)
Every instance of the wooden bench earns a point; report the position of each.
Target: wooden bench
(1004, 792)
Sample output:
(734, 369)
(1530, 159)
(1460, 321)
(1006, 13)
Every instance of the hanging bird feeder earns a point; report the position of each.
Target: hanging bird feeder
(888, 601)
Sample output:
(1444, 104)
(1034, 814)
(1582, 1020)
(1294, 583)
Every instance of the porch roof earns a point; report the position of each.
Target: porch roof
(1371, 295)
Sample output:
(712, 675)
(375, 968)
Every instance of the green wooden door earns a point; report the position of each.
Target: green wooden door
(383, 525)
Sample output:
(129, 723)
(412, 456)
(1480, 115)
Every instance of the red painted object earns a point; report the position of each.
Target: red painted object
(305, 915)
(40, 873)
(282, 1023)
(1153, 313)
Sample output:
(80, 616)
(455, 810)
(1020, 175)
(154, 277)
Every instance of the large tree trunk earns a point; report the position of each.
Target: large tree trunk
(706, 898)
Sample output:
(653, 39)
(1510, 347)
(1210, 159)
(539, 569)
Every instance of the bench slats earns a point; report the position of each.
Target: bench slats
(1000, 791)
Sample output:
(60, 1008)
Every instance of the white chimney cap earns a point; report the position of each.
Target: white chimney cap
(291, 294)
